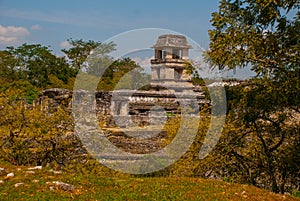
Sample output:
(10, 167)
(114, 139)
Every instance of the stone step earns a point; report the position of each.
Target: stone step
(137, 140)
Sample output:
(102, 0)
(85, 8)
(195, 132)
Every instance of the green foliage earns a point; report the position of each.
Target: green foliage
(262, 125)
(264, 34)
(31, 136)
(37, 65)
(191, 70)
(19, 90)
(93, 60)
(122, 74)
(269, 133)
(33, 63)
(80, 50)
(55, 82)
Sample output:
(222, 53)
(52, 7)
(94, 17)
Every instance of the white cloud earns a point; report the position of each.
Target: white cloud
(36, 27)
(12, 35)
(65, 45)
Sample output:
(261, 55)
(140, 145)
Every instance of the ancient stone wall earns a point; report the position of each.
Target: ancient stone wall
(125, 107)
(132, 120)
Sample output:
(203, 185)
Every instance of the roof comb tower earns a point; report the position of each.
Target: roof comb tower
(169, 64)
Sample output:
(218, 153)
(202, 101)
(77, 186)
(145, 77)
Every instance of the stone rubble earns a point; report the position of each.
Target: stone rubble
(29, 172)
(55, 172)
(19, 184)
(64, 186)
(35, 168)
(10, 175)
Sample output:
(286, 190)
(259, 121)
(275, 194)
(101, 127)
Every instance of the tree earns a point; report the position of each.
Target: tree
(260, 137)
(34, 63)
(80, 51)
(124, 74)
(265, 36)
(7, 67)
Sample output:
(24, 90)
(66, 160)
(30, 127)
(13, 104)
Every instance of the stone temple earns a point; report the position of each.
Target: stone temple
(141, 114)
(170, 88)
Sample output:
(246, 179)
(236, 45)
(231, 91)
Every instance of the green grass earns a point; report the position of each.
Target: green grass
(95, 187)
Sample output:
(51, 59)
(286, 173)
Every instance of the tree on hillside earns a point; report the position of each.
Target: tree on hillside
(264, 35)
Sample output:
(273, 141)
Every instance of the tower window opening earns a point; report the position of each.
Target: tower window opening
(158, 54)
(163, 54)
(176, 54)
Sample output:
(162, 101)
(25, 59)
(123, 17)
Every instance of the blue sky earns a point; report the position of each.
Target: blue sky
(52, 22)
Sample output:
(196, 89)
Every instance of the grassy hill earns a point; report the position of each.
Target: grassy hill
(46, 184)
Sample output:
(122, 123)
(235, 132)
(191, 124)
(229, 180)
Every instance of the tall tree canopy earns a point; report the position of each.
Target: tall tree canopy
(264, 35)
